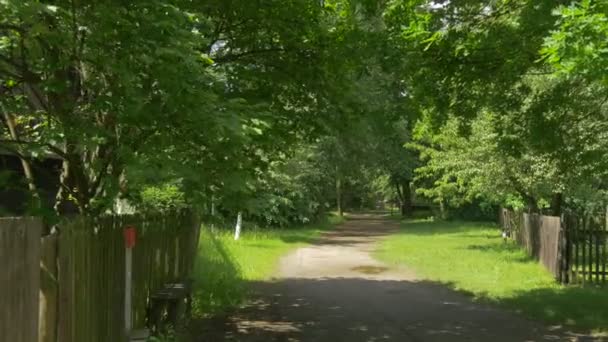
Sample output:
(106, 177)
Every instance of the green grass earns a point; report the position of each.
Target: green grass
(473, 258)
(224, 265)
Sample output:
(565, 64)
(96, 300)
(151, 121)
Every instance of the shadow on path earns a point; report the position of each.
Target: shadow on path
(370, 310)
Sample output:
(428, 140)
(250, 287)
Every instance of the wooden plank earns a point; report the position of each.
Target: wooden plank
(63, 266)
(4, 279)
(12, 262)
(104, 323)
(79, 319)
(128, 314)
(108, 270)
(583, 243)
(562, 254)
(49, 291)
(575, 248)
(74, 282)
(20, 279)
(98, 280)
(603, 243)
(568, 232)
(116, 304)
(77, 316)
(549, 240)
(108, 289)
(34, 233)
(590, 245)
(82, 323)
(119, 277)
(597, 238)
(87, 271)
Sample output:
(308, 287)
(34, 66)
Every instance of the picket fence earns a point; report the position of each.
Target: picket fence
(573, 248)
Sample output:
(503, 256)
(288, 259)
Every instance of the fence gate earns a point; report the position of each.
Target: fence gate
(19, 278)
(585, 251)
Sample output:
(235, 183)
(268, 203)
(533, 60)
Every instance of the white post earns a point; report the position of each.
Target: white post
(128, 283)
(239, 222)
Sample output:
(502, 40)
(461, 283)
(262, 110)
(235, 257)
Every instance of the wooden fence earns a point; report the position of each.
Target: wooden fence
(574, 249)
(82, 292)
(19, 279)
(585, 251)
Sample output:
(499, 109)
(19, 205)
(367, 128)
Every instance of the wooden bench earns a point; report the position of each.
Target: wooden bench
(166, 306)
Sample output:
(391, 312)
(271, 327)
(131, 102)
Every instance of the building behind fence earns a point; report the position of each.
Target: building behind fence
(70, 287)
(574, 249)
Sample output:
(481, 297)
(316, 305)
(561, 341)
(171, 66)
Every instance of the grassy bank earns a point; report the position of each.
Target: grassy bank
(473, 258)
(224, 265)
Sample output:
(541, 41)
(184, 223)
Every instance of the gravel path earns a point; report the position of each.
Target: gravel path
(336, 291)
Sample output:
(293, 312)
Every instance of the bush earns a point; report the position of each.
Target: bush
(167, 197)
(476, 211)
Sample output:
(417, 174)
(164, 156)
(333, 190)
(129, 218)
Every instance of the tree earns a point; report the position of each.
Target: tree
(193, 90)
(99, 116)
(523, 74)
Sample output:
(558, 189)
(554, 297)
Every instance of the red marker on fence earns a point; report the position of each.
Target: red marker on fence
(130, 236)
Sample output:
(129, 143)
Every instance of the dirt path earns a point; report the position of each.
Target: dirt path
(335, 291)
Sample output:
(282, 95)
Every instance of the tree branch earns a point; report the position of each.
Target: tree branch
(233, 57)
(52, 148)
(94, 187)
(25, 164)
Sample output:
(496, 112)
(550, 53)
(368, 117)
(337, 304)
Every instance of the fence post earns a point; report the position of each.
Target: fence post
(603, 241)
(562, 252)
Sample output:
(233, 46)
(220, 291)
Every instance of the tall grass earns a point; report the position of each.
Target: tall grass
(473, 258)
(224, 265)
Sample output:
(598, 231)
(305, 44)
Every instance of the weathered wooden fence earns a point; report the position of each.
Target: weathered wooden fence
(19, 278)
(82, 292)
(585, 251)
(574, 249)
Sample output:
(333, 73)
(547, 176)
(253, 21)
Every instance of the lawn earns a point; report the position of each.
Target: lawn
(473, 258)
(224, 265)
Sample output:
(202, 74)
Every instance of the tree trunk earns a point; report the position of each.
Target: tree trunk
(532, 204)
(27, 168)
(72, 190)
(442, 210)
(62, 196)
(406, 202)
(399, 196)
(556, 204)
